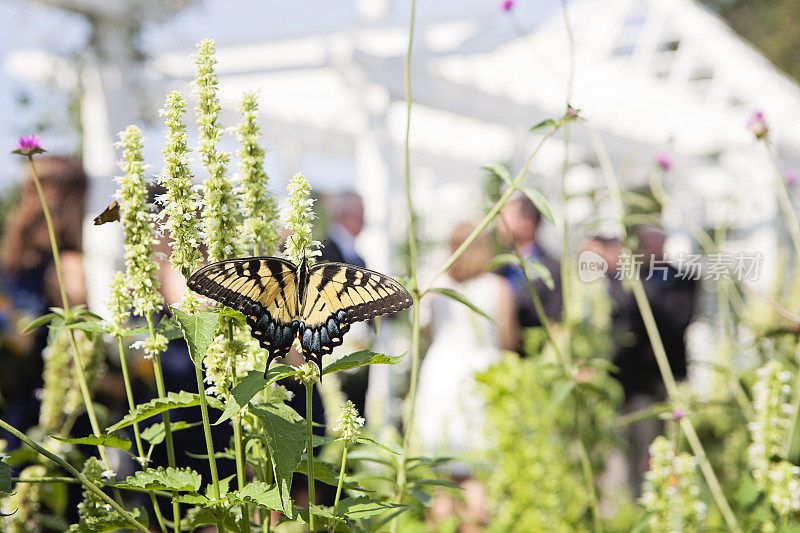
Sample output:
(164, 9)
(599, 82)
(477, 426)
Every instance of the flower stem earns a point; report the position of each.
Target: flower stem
(139, 447)
(76, 356)
(237, 441)
(792, 224)
(310, 452)
(162, 393)
(212, 461)
(339, 487)
(69, 468)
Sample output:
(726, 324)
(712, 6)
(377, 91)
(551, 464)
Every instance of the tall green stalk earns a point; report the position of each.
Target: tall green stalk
(212, 461)
(237, 440)
(77, 360)
(310, 451)
(339, 488)
(162, 393)
(138, 437)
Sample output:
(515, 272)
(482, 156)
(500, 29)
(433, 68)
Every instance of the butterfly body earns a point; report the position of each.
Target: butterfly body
(282, 301)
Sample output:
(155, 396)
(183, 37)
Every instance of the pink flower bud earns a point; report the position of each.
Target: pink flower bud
(758, 125)
(28, 146)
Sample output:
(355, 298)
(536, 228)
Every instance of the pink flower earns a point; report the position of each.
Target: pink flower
(572, 112)
(758, 125)
(677, 414)
(663, 160)
(28, 146)
(508, 5)
(791, 178)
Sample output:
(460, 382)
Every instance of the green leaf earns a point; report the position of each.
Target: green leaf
(364, 507)
(155, 433)
(327, 473)
(224, 486)
(227, 312)
(111, 522)
(5, 477)
(42, 320)
(169, 329)
(263, 495)
(437, 483)
(543, 124)
(561, 390)
(198, 330)
(362, 358)
(457, 296)
(539, 271)
(170, 478)
(502, 260)
(193, 499)
(159, 405)
(501, 172)
(539, 201)
(250, 385)
(367, 440)
(421, 496)
(88, 327)
(55, 329)
(111, 441)
(286, 440)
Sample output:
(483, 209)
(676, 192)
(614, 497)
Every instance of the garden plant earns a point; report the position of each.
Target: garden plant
(726, 463)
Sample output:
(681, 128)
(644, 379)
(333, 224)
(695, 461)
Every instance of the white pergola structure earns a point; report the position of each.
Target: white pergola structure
(649, 75)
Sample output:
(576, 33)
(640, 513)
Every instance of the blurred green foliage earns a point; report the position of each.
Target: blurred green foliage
(770, 26)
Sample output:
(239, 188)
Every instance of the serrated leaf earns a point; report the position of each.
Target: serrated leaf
(362, 358)
(159, 405)
(169, 329)
(539, 201)
(250, 385)
(199, 331)
(111, 441)
(367, 440)
(170, 478)
(460, 298)
(42, 320)
(286, 440)
(110, 522)
(364, 507)
(543, 124)
(193, 499)
(5, 477)
(224, 487)
(262, 494)
(155, 433)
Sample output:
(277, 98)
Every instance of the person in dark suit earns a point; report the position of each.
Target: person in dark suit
(518, 227)
(671, 295)
(347, 216)
(347, 222)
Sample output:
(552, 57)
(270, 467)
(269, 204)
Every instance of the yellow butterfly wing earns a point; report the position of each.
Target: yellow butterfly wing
(264, 289)
(339, 294)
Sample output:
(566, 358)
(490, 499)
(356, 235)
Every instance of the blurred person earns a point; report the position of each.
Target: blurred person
(671, 296)
(449, 408)
(347, 221)
(517, 227)
(28, 280)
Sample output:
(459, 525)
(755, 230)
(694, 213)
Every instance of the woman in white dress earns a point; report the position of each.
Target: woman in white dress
(449, 406)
